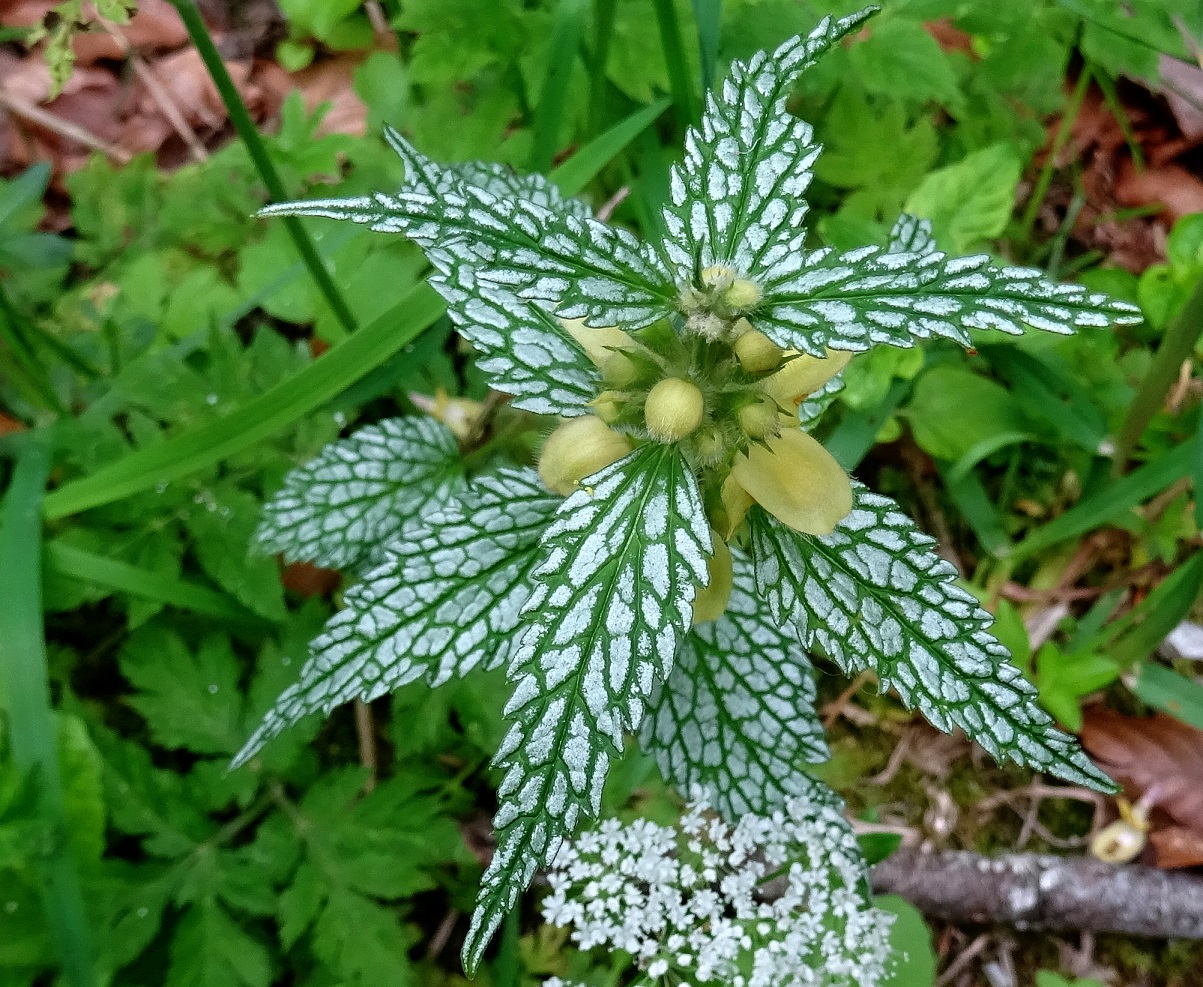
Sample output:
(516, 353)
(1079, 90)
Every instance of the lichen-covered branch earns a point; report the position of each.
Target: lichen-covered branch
(1033, 891)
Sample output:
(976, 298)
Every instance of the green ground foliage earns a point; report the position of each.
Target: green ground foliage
(159, 353)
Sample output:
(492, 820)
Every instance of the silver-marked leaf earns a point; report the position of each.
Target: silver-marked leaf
(444, 599)
(614, 593)
(869, 296)
(341, 508)
(873, 595)
(737, 198)
(817, 402)
(424, 175)
(522, 349)
(736, 716)
(911, 235)
(573, 264)
(500, 180)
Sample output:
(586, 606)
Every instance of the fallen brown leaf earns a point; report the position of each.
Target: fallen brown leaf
(1182, 85)
(1143, 753)
(1176, 190)
(1175, 847)
(307, 579)
(8, 425)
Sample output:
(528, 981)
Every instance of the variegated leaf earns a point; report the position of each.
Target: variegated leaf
(343, 507)
(523, 350)
(873, 595)
(571, 263)
(443, 600)
(737, 198)
(911, 235)
(620, 567)
(870, 296)
(736, 716)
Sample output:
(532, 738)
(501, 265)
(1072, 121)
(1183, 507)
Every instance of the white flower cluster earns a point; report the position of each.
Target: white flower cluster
(775, 901)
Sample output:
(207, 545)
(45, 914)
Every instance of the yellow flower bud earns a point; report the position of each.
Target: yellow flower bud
(797, 481)
(674, 409)
(619, 370)
(608, 406)
(761, 418)
(804, 375)
(599, 344)
(458, 414)
(711, 600)
(742, 295)
(718, 277)
(577, 449)
(756, 353)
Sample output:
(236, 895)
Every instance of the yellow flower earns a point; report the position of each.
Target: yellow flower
(803, 375)
(711, 601)
(796, 480)
(577, 449)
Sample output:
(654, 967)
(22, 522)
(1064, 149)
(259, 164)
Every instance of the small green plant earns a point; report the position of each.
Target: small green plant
(685, 541)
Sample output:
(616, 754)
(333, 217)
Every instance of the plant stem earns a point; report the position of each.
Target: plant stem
(674, 58)
(1177, 345)
(25, 679)
(1072, 109)
(255, 147)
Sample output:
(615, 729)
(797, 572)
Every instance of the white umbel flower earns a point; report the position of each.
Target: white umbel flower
(689, 902)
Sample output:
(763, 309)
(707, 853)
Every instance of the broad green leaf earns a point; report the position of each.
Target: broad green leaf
(873, 595)
(210, 949)
(736, 715)
(613, 595)
(363, 942)
(901, 60)
(869, 296)
(1064, 678)
(341, 509)
(914, 959)
(736, 199)
(940, 418)
(443, 599)
(190, 698)
(221, 527)
(1167, 690)
(971, 201)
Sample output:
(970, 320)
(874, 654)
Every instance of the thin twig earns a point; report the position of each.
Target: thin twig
(64, 128)
(157, 92)
(365, 730)
(616, 200)
(964, 958)
(834, 709)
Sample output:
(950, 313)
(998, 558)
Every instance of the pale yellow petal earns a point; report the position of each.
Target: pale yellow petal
(600, 343)
(577, 449)
(711, 601)
(804, 375)
(797, 481)
(736, 501)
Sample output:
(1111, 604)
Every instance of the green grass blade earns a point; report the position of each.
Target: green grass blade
(567, 32)
(675, 60)
(325, 378)
(604, 12)
(1176, 347)
(1197, 474)
(25, 685)
(1166, 690)
(76, 563)
(1109, 503)
(857, 430)
(249, 135)
(709, 17)
(579, 170)
(1137, 634)
(974, 503)
(264, 416)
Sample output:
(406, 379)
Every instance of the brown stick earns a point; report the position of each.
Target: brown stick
(1032, 891)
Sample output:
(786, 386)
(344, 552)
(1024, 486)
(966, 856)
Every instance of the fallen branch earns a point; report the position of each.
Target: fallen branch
(1030, 891)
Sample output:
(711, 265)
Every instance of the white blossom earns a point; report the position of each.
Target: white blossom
(774, 901)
